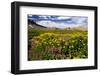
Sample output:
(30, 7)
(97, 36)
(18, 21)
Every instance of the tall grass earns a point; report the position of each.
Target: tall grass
(57, 44)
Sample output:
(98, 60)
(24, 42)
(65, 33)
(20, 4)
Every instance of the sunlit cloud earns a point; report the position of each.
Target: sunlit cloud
(59, 21)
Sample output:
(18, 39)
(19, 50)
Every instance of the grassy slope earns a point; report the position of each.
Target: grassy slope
(32, 33)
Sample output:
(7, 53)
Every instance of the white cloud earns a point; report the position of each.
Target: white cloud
(79, 20)
(30, 15)
(63, 17)
(54, 24)
(44, 17)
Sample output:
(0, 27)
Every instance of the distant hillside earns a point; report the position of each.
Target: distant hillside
(34, 25)
(83, 28)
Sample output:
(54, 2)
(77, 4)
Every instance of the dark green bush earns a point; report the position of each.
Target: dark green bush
(76, 48)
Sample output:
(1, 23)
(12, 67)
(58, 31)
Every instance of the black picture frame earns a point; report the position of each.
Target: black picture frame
(15, 40)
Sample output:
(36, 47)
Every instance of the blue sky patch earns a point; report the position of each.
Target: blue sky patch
(59, 21)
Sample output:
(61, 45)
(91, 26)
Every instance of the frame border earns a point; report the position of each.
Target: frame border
(15, 39)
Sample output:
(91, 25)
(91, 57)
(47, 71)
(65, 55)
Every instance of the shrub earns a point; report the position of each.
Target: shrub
(60, 46)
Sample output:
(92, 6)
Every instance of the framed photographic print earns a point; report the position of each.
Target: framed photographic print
(52, 37)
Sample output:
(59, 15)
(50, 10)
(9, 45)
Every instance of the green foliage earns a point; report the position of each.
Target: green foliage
(32, 33)
(76, 48)
(59, 44)
(29, 44)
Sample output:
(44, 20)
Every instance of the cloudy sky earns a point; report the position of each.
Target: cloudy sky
(59, 21)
